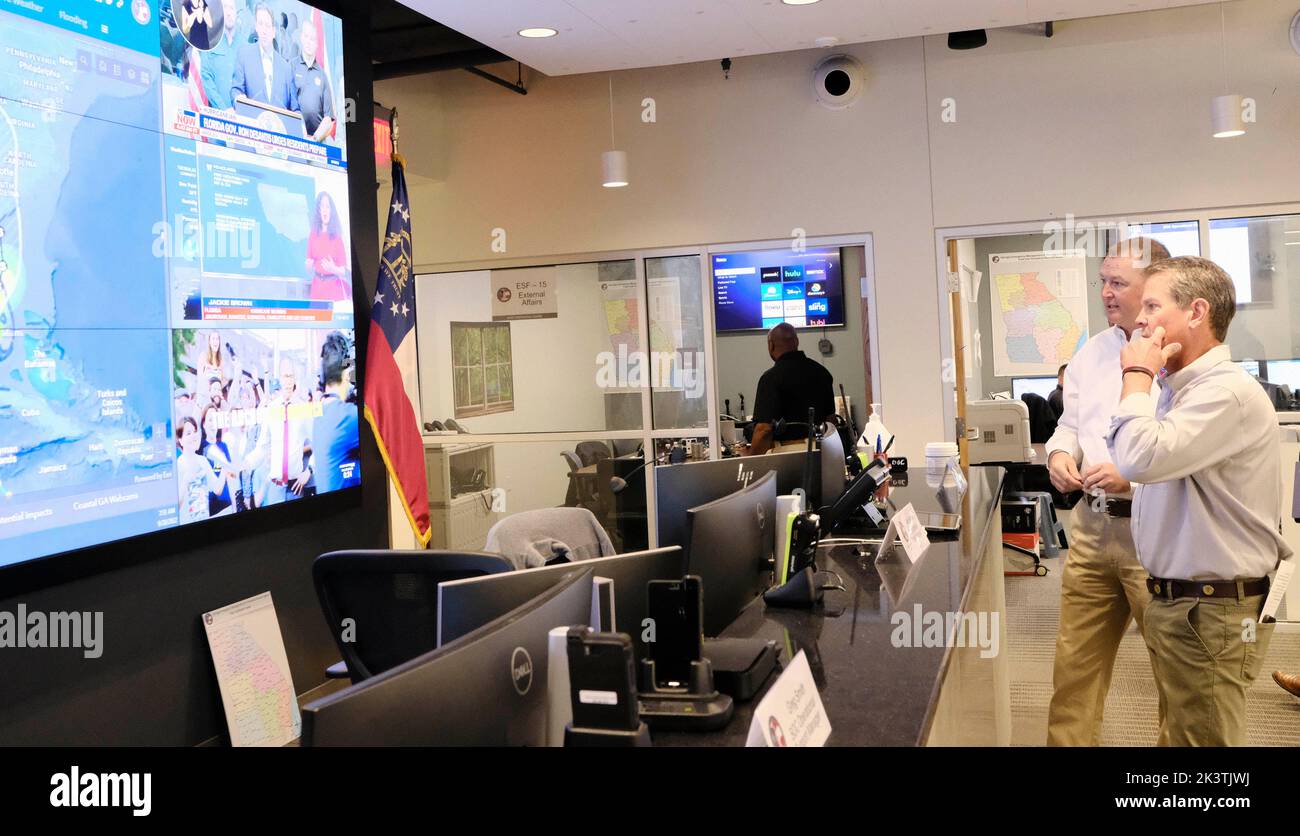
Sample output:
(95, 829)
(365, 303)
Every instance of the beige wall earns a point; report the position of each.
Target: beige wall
(1110, 117)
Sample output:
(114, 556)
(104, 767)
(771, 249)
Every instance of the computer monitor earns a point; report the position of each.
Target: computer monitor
(1042, 386)
(1285, 373)
(486, 689)
(832, 465)
(732, 544)
(467, 604)
(680, 487)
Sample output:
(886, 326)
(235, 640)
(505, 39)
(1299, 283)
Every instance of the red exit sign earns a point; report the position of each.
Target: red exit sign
(383, 144)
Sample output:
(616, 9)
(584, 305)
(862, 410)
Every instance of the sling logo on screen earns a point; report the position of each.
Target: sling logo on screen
(110, 789)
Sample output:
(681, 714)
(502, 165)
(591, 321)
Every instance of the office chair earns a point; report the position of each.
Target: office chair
(582, 492)
(591, 452)
(549, 535)
(1042, 418)
(390, 601)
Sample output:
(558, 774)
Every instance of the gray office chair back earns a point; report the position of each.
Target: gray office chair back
(382, 605)
(549, 535)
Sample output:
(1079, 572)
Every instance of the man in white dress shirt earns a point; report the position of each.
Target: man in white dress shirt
(1207, 513)
(1103, 587)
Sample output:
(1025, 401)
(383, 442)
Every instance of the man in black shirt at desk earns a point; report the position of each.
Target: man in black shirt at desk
(786, 391)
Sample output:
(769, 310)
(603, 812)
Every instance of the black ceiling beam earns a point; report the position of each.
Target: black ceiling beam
(464, 59)
(516, 87)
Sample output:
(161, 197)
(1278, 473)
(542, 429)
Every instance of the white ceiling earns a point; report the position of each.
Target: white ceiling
(599, 35)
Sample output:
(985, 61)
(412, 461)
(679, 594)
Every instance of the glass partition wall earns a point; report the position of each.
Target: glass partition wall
(548, 385)
(1259, 247)
(551, 383)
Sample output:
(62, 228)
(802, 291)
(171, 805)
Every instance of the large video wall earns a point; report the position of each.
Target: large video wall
(176, 315)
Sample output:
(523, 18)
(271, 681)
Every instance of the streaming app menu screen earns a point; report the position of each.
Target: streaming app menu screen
(757, 290)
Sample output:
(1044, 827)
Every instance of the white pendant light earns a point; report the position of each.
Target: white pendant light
(613, 164)
(613, 168)
(1225, 110)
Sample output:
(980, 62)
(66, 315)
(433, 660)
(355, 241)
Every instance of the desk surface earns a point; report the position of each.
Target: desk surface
(875, 694)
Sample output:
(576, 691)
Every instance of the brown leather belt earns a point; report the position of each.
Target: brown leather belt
(1119, 507)
(1171, 589)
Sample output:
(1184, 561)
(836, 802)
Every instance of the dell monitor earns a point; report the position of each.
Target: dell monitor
(486, 689)
(467, 604)
(732, 544)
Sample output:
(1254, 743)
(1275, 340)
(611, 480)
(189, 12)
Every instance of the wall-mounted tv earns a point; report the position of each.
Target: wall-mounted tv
(176, 315)
(756, 290)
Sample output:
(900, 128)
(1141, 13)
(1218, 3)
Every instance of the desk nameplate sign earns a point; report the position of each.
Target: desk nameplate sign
(792, 713)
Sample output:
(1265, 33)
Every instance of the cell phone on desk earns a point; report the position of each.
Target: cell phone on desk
(676, 610)
(602, 680)
(940, 523)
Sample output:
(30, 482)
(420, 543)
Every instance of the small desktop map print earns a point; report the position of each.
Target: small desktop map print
(253, 673)
(1040, 313)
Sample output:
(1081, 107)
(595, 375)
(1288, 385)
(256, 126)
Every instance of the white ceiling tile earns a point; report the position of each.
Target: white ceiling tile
(599, 35)
(913, 16)
(850, 22)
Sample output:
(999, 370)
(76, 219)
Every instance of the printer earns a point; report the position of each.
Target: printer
(997, 432)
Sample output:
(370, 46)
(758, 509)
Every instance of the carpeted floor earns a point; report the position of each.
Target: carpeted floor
(1032, 608)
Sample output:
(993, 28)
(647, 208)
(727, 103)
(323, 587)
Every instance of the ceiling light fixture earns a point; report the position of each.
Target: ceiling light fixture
(538, 32)
(799, 2)
(613, 164)
(1225, 110)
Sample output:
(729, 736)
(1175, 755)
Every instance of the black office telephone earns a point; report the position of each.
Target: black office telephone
(467, 480)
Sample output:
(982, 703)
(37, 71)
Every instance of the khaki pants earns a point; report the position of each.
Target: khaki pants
(1205, 662)
(1102, 589)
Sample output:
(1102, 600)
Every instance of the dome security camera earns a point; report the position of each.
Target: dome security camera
(838, 81)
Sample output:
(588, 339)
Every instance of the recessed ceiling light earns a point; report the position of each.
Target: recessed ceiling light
(799, 2)
(538, 32)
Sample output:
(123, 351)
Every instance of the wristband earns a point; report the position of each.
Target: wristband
(1143, 369)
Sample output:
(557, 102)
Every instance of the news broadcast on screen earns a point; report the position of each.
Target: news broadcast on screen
(176, 327)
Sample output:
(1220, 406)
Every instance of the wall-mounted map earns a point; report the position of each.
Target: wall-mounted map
(1040, 310)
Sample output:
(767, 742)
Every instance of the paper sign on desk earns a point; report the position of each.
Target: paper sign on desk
(958, 478)
(910, 532)
(253, 673)
(792, 713)
(1277, 591)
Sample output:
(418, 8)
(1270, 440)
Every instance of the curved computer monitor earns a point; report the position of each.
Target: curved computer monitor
(832, 465)
(732, 544)
(486, 689)
(680, 487)
(465, 605)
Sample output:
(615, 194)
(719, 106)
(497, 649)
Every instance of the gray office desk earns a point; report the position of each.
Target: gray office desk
(877, 694)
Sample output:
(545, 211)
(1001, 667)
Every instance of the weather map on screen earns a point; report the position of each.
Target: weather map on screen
(176, 319)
